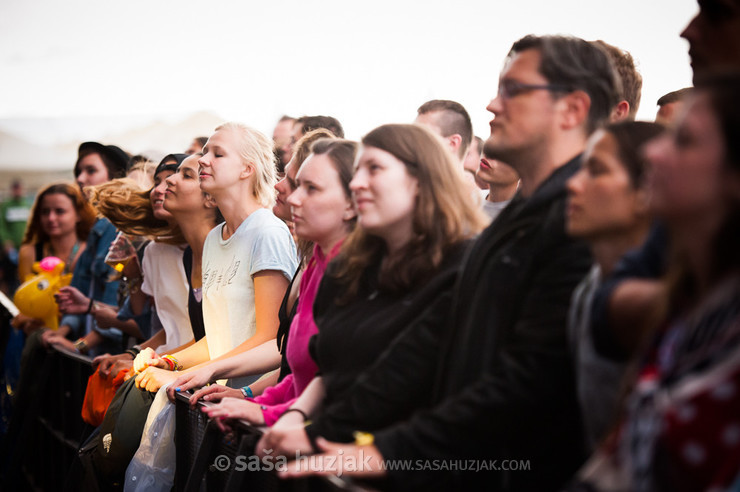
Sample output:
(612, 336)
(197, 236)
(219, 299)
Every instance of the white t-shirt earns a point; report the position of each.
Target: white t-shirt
(493, 209)
(262, 242)
(165, 281)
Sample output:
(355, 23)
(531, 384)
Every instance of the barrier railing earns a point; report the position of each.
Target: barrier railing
(51, 429)
(49, 426)
(207, 458)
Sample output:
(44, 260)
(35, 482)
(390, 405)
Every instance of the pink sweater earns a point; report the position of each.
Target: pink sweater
(277, 399)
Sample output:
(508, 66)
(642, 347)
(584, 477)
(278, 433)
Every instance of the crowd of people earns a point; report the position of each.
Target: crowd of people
(564, 292)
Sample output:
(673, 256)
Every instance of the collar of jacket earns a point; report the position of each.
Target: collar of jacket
(553, 186)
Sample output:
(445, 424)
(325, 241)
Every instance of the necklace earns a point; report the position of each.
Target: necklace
(70, 259)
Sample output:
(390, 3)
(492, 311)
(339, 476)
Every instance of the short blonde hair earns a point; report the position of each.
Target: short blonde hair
(256, 149)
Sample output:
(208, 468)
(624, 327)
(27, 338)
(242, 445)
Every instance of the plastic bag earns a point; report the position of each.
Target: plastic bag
(98, 396)
(153, 467)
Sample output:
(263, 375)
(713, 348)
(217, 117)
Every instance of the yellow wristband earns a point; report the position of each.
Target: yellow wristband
(363, 438)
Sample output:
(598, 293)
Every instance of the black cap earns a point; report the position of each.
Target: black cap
(178, 158)
(117, 161)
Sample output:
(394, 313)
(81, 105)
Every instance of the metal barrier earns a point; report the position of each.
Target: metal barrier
(50, 427)
(49, 431)
(199, 442)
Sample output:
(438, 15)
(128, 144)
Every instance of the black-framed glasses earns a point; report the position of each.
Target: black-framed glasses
(511, 88)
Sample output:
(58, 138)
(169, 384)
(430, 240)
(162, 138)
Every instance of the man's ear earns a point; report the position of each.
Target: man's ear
(620, 112)
(454, 141)
(574, 110)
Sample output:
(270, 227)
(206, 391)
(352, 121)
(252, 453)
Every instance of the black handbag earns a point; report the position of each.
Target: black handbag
(120, 433)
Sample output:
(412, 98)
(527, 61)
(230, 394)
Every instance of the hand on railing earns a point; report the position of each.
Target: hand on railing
(215, 393)
(109, 365)
(235, 408)
(153, 378)
(148, 358)
(285, 440)
(54, 339)
(193, 379)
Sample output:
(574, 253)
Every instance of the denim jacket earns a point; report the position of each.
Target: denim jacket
(91, 277)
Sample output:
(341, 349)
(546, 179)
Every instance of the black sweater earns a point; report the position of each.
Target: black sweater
(352, 336)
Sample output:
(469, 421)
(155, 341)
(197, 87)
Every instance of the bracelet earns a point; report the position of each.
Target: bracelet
(247, 392)
(173, 363)
(297, 410)
(81, 346)
(133, 352)
(90, 306)
(363, 438)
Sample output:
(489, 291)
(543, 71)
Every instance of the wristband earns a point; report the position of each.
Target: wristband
(297, 410)
(174, 364)
(81, 346)
(247, 392)
(89, 306)
(363, 438)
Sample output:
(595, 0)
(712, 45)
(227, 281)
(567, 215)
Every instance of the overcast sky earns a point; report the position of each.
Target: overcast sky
(366, 63)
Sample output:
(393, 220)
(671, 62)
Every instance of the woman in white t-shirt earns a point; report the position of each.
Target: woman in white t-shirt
(247, 261)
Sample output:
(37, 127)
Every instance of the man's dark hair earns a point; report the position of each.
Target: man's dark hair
(453, 119)
(310, 123)
(675, 96)
(577, 65)
(630, 78)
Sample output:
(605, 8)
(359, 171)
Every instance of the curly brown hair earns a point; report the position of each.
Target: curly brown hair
(128, 208)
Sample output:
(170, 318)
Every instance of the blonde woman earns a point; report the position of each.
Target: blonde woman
(247, 261)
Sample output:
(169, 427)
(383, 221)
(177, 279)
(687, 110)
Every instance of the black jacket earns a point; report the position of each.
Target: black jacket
(504, 388)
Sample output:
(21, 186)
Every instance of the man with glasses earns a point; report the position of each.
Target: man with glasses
(503, 387)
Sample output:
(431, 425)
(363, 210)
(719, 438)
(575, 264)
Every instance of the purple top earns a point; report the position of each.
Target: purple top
(277, 399)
